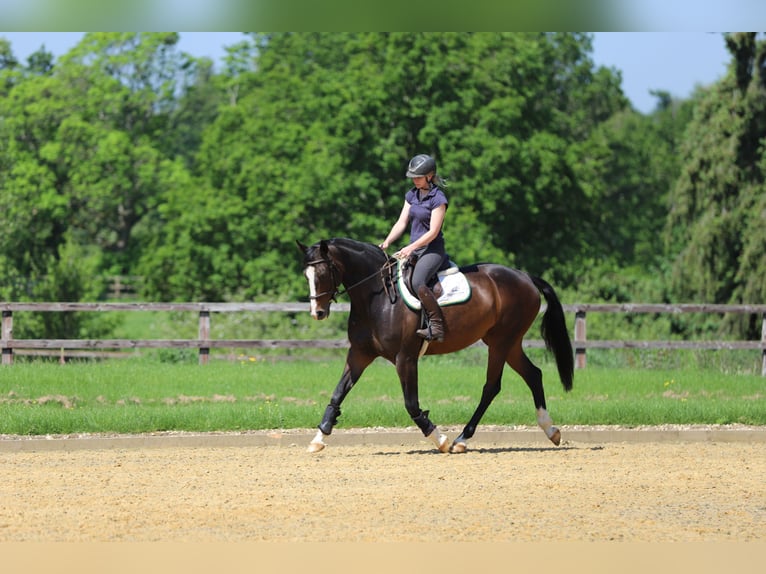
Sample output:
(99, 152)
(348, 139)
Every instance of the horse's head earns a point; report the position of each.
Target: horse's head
(323, 277)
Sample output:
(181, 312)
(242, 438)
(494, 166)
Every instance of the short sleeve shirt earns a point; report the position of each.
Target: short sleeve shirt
(420, 215)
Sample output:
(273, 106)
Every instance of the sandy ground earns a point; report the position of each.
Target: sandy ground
(580, 491)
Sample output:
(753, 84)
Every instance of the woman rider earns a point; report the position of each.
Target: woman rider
(424, 208)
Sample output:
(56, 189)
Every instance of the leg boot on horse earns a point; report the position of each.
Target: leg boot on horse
(434, 331)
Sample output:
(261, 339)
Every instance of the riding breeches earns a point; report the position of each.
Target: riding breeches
(426, 267)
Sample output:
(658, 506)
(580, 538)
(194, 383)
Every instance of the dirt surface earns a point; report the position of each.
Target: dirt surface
(377, 490)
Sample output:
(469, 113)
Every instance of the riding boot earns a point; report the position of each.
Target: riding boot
(435, 328)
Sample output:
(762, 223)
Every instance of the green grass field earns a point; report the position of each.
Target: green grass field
(131, 396)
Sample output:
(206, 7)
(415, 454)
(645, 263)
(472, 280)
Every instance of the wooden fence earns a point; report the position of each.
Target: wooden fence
(205, 310)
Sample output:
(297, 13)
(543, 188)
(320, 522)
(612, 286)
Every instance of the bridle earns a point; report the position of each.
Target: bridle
(334, 292)
(335, 282)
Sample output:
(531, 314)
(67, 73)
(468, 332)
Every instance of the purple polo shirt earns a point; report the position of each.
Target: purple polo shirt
(420, 215)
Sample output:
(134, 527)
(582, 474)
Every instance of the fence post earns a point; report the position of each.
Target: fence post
(580, 336)
(763, 340)
(7, 334)
(204, 335)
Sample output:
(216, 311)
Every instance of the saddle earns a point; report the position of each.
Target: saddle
(450, 285)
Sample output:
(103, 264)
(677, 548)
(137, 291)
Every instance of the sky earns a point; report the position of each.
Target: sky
(675, 62)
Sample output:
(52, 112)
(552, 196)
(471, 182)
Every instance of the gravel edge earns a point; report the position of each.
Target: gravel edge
(486, 435)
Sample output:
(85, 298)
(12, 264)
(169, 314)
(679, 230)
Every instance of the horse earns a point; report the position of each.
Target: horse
(503, 304)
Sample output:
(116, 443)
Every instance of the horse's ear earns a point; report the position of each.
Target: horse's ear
(323, 249)
(302, 247)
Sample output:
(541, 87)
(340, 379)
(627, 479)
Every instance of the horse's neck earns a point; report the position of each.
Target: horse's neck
(361, 275)
(358, 267)
(361, 278)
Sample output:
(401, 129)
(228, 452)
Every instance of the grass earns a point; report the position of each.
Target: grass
(38, 398)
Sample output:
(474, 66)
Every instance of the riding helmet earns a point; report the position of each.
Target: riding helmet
(421, 165)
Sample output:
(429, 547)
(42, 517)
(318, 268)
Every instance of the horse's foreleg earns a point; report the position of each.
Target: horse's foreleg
(329, 420)
(407, 369)
(354, 368)
(431, 431)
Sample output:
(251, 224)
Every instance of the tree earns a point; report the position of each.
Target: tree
(104, 112)
(40, 62)
(152, 162)
(716, 220)
(316, 141)
(8, 67)
(84, 157)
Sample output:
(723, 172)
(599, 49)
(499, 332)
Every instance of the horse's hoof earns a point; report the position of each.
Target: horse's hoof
(315, 446)
(555, 436)
(440, 440)
(458, 447)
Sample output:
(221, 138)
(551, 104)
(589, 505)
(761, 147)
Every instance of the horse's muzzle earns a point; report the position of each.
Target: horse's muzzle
(320, 314)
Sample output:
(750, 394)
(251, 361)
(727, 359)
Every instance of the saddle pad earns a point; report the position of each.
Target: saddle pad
(455, 288)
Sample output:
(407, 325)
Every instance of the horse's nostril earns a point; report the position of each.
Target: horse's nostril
(320, 314)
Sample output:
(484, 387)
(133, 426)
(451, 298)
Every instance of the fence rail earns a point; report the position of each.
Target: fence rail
(9, 345)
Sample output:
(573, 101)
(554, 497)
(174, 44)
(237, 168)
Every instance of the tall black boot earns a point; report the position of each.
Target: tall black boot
(435, 328)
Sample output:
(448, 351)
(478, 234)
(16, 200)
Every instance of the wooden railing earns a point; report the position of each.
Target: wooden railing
(204, 310)
(581, 342)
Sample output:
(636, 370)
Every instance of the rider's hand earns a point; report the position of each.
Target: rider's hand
(404, 252)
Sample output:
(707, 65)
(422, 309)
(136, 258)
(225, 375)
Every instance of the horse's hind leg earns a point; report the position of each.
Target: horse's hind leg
(533, 376)
(495, 365)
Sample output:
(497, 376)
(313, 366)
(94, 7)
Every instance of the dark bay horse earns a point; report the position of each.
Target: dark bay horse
(504, 302)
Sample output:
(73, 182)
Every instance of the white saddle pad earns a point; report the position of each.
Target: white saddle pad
(455, 288)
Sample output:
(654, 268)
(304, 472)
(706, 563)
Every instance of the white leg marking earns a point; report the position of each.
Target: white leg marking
(439, 440)
(317, 443)
(310, 276)
(459, 445)
(545, 422)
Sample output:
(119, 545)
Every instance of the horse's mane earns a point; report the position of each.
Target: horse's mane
(368, 251)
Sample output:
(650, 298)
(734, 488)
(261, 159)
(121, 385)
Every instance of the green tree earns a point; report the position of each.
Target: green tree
(152, 163)
(716, 220)
(72, 275)
(86, 159)
(196, 108)
(87, 139)
(315, 142)
(10, 72)
(40, 62)
(628, 163)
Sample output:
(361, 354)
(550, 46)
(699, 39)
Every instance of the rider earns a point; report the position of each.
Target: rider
(424, 208)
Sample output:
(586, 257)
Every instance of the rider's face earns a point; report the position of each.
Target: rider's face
(420, 182)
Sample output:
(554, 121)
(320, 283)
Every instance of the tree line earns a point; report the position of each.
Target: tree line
(126, 156)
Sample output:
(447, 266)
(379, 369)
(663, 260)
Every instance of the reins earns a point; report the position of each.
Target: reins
(333, 269)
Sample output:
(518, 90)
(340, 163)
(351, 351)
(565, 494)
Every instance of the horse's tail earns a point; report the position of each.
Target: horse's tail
(555, 334)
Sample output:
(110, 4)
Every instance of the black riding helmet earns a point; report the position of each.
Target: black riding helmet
(421, 165)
